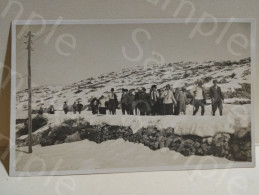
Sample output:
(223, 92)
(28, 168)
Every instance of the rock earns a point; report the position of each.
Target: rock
(241, 133)
(209, 140)
(168, 142)
(226, 136)
(218, 136)
(72, 138)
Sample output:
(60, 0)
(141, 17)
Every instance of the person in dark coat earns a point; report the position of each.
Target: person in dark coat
(113, 102)
(40, 112)
(94, 105)
(130, 98)
(176, 95)
(74, 107)
(102, 105)
(65, 107)
(79, 107)
(160, 102)
(51, 109)
(123, 101)
(217, 98)
(143, 102)
(154, 97)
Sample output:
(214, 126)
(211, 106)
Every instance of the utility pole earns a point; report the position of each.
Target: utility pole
(29, 48)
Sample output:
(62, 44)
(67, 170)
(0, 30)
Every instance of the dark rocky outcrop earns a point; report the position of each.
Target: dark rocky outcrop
(235, 147)
(37, 122)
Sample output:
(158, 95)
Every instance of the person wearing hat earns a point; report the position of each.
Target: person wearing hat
(217, 98)
(154, 97)
(123, 101)
(168, 100)
(65, 107)
(142, 100)
(199, 99)
(129, 101)
(137, 100)
(113, 102)
(79, 107)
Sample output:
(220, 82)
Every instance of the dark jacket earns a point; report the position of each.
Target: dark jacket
(216, 94)
(129, 99)
(123, 98)
(79, 106)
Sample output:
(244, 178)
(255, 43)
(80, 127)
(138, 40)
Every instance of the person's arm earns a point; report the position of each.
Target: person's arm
(173, 97)
(221, 94)
(203, 94)
(163, 94)
(177, 96)
(126, 99)
(158, 95)
(185, 98)
(211, 95)
(192, 91)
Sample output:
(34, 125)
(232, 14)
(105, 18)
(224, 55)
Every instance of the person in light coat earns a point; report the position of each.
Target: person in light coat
(168, 100)
(199, 99)
(181, 99)
(113, 102)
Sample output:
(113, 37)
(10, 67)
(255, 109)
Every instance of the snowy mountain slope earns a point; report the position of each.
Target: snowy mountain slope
(234, 79)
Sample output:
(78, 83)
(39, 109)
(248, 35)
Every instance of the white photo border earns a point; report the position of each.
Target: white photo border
(12, 162)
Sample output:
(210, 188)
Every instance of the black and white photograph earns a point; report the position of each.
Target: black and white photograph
(107, 96)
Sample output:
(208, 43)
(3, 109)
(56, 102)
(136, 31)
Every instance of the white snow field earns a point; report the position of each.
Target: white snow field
(234, 117)
(87, 155)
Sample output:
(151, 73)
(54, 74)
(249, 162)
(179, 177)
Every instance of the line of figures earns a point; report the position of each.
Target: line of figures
(165, 101)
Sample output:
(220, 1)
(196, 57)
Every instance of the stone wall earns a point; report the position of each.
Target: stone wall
(230, 146)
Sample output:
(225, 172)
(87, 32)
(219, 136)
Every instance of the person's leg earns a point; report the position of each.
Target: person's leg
(166, 109)
(214, 108)
(220, 106)
(196, 108)
(123, 109)
(202, 110)
(170, 109)
(177, 109)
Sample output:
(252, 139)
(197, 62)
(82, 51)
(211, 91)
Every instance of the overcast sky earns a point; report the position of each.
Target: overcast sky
(99, 49)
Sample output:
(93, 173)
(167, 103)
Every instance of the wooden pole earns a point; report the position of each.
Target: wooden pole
(29, 94)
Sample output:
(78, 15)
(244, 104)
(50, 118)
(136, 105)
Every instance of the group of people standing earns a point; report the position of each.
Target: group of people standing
(165, 101)
(159, 101)
(76, 107)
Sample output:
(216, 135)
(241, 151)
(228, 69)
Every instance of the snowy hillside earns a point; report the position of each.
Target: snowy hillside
(234, 79)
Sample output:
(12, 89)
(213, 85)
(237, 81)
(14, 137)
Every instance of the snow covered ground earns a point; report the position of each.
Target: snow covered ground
(235, 117)
(87, 155)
